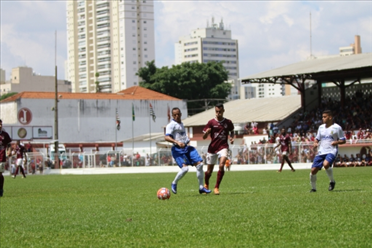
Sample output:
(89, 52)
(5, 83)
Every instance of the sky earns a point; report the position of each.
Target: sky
(270, 34)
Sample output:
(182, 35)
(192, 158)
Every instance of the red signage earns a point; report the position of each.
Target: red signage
(24, 116)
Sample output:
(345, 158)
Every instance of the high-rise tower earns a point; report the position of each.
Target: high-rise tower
(212, 43)
(108, 41)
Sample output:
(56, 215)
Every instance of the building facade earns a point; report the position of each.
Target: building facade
(213, 43)
(87, 117)
(108, 42)
(354, 48)
(2, 76)
(24, 79)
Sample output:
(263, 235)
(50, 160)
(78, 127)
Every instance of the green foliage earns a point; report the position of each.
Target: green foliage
(98, 87)
(255, 209)
(191, 81)
(4, 96)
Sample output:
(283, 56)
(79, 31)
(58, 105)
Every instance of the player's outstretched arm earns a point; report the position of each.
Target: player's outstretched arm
(206, 133)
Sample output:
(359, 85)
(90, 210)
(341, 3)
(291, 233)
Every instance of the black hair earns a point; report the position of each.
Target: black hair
(176, 108)
(219, 105)
(328, 112)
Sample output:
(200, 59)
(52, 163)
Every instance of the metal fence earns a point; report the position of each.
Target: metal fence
(38, 163)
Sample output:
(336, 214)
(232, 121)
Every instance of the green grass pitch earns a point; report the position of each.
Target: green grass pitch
(255, 209)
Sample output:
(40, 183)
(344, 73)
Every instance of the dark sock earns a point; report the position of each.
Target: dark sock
(289, 163)
(219, 178)
(1, 181)
(206, 177)
(23, 172)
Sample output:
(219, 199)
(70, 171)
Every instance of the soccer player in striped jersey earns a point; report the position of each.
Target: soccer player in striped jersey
(219, 128)
(4, 141)
(20, 152)
(329, 136)
(286, 149)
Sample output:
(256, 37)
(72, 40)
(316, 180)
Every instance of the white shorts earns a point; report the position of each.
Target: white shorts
(212, 157)
(284, 153)
(19, 161)
(2, 167)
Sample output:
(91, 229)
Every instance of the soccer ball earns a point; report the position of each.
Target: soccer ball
(163, 194)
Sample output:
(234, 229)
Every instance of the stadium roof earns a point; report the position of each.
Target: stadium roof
(248, 110)
(352, 66)
(146, 137)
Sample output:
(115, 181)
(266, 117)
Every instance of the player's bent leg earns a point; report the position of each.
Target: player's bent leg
(330, 158)
(1, 184)
(281, 164)
(289, 163)
(199, 175)
(178, 177)
(313, 177)
(207, 175)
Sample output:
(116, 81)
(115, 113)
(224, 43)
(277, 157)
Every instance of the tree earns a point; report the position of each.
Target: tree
(98, 87)
(4, 96)
(200, 84)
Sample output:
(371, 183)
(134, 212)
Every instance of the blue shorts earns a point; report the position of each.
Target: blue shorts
(319, 159)
(187, 155)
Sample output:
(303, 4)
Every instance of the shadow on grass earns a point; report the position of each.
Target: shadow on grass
(225, 193)
(347, 190)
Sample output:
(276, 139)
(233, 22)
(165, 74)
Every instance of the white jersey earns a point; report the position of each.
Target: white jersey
(177, 131)
(326, 136)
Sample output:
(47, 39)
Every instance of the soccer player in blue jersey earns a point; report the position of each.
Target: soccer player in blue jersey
(329, 136)
(183, 153)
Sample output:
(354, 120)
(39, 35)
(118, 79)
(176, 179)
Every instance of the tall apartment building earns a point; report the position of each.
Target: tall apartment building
(111, 38)
(2, 76)
(213, 43)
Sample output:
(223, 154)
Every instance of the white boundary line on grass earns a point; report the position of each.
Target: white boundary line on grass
(173, 169)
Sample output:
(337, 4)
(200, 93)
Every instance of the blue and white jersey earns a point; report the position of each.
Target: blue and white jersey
(177, 131)
(326, 136)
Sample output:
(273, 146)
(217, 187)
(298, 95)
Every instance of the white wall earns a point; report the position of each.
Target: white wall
(93, 120)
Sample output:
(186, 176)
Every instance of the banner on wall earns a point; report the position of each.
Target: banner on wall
(21, 133)
(29, 133)
(42, 132)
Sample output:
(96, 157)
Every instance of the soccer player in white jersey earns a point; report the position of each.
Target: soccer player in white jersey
(183, 153)
(329, 136)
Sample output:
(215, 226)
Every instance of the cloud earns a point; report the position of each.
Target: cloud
(28, 36)
(271, 34)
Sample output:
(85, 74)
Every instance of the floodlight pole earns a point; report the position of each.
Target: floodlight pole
(56, 150)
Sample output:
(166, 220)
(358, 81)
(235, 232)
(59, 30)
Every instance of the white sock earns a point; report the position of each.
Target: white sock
(200, 175)
(330, 174)
(180, 174)
(313, 181)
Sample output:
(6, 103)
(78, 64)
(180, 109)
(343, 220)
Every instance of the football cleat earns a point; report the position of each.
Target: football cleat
(1, 192)
(204, 190)
(216, 191)
(331, 186)
(279, 171)
(174, 188)
(312, 190)
(206, 186)
(293, 170)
